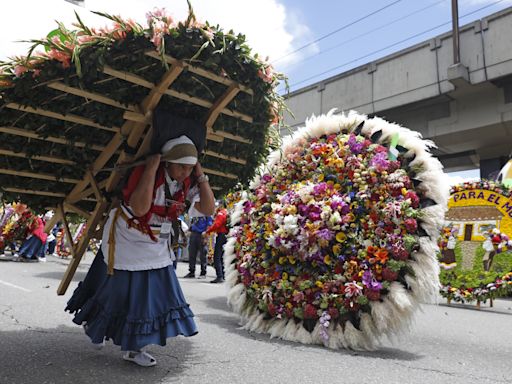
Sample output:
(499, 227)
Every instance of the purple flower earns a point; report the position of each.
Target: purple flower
(266, 178)
(325, 234)
(370, 281)
(355, 147)
(320, 189)
(380, 161)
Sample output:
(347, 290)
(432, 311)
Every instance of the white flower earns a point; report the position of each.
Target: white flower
(290, 224)
(326, 212)
(335, 219)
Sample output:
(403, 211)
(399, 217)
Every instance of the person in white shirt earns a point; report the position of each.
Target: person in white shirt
(131, 294)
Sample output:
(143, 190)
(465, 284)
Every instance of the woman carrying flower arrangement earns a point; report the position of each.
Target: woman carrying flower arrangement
(131, 293)
(33, 247)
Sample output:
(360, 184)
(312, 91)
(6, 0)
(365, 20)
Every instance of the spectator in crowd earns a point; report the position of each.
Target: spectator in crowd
(219, 227)
(198, 226)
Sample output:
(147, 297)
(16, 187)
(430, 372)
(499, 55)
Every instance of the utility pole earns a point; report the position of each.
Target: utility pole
(455, 32)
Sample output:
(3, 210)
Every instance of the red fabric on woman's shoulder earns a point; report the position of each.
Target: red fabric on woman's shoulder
(133, 180)
(38, 230)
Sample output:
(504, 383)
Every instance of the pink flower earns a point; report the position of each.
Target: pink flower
(20, 70)
(352, 289)
(266, 74)
(411, 225)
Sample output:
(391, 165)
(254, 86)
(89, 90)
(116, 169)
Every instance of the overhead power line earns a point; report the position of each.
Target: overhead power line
(367, 33)
(336, 31)
(393, 45)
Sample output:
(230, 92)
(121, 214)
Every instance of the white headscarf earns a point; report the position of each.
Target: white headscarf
(180, 150)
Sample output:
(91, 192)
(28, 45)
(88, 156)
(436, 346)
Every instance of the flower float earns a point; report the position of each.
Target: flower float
(502, 286)
(80, 91)
(335, 242)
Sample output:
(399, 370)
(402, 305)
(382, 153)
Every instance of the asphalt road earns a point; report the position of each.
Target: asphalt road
(39, 343)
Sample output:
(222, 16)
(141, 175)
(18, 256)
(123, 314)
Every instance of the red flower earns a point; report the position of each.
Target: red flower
(411, 225)
(310, 312)
(372, 295)
(333, 312)
(415, 200)
(389, 275)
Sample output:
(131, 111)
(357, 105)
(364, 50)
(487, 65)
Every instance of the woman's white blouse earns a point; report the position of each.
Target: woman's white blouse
(134, 250)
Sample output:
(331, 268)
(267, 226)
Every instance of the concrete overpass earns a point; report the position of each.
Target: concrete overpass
(466, 108)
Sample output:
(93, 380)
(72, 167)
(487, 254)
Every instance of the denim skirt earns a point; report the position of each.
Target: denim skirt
(131, 308)
(32, 248)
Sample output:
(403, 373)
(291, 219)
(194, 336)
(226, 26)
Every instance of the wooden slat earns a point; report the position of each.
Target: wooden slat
(51, 223)
(207, 104)
(93, 221)
(94, 186)
(69, 117)
(230, 136)
(130, 77)
(151, 101)
(33, 192)
(219, 105)
(138, 117)
(99, 163)
(49, 159)
(219, 173)
(66, 230)
(41, 176)
(147, 106)
(127, 76)
(75, 209)
(86, 192)
(224, 157)
(90, 96)
(52, 139)
(201, 71)
(40, 193)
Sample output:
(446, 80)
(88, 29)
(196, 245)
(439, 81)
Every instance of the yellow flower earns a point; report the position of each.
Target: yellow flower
(337, 186)
(289, 305)
(319, 284)
(291, 260)
(282, 260)
(321, 177)
(284, 276)
(255, 286)
(327, 260)
(336, 249)
(341, 237)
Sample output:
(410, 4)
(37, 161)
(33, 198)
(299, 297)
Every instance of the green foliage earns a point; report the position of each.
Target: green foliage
(77, 59)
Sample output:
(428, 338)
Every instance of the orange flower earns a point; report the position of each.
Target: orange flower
(371, 249)
(382, 255)
(250, 236)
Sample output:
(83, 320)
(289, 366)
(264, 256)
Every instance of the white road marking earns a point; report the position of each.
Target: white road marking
(14, 286)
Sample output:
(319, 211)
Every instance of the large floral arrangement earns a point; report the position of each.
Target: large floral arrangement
(331, 244)
(76, 58)
(20, 228)
(500, 287)
(489, 185)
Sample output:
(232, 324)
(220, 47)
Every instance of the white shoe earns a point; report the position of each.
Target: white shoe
(143, 359)
(98, 346)
(42, 259)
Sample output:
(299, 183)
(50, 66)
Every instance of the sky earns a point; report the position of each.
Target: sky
(306, 40)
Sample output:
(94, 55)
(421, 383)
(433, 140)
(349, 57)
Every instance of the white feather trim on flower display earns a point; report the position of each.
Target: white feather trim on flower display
(334, 243)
